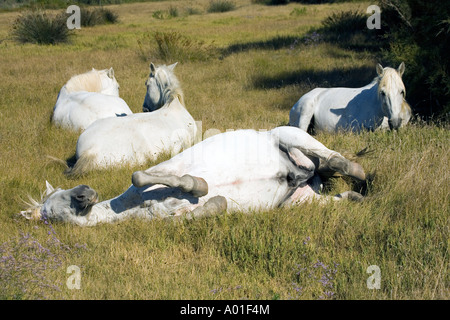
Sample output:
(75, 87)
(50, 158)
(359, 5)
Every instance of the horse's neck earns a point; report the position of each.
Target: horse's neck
(115, 210)
(174, 103)
(372, 95)
(127, 205)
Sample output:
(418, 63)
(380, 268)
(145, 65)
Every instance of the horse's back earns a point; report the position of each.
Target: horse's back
(136, 137)
(80, 109)
(338, 108)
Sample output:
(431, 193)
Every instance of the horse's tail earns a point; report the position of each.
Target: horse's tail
(85, 163)
(58, 161)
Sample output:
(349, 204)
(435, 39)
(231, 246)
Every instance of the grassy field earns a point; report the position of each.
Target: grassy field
(259, 66)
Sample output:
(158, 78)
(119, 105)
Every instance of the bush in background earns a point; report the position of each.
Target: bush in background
(418, 33)
(221, 6)
(40, 28)
(92, 17)
(348, 29)
(172, 46)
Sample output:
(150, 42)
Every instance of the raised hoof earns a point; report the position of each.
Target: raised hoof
(347, 167)
(198, 187)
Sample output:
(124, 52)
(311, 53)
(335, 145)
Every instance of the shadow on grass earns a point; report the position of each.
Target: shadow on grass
(353, 78)
(357, 40)
(276, 43)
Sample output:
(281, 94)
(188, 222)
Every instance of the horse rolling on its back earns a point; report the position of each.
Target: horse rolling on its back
(136, 138)
(240, 170)
(87, 97)
(379, 104)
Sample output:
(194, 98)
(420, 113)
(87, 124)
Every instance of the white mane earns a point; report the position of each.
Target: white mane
(389, 79)
(89, 81)
(173, 89)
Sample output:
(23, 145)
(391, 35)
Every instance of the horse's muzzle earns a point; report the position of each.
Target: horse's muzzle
(395, 123)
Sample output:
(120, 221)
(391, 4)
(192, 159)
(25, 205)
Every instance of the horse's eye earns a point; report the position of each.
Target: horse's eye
(403, 93)
(80, 197)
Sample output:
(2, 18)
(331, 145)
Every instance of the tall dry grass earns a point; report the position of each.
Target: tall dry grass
(307, 252)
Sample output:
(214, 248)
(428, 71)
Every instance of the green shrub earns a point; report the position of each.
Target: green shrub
(221, 6)
(298, 11)
(172, 46)
(97, 16)
(171, 13)
(192, 11)
(348, 29)
(345, 21)
(40, 28)
(418, 33)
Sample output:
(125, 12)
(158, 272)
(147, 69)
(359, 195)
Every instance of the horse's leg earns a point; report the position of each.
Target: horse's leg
(300, 159)
(215, 205)
(310, 192)
(324, 158)
(187, 183)
(302, 113)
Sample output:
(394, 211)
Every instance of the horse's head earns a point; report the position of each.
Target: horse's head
(63, 205)
(391, 91)
(109, 85)
(160, 81)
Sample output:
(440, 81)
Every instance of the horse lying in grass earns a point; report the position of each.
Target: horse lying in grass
(239, 170)
(88, 97)
(380, 104)
(139, 137)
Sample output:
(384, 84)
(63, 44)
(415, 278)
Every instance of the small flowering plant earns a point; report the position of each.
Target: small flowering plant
(314, 279)
(28, 265)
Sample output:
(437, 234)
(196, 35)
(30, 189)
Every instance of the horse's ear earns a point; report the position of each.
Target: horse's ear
(49, 187)
(401, 69)
(111, 73)
(152, 67)
(380, 69)
(172, 66)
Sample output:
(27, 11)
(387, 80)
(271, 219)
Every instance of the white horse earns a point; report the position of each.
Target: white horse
(239, 170)
(87, 97)
(380, 104)
(139, 137)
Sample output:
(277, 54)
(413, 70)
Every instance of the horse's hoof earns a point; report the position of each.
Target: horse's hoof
(354, 196)
(347, 167)
(195, 185)
(215, 205)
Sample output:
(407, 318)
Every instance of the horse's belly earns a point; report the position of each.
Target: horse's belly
(252, 194)
(246, 167)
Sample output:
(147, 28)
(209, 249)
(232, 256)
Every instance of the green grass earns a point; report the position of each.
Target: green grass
(402, 226)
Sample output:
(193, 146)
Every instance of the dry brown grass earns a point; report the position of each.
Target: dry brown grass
(402, 226)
